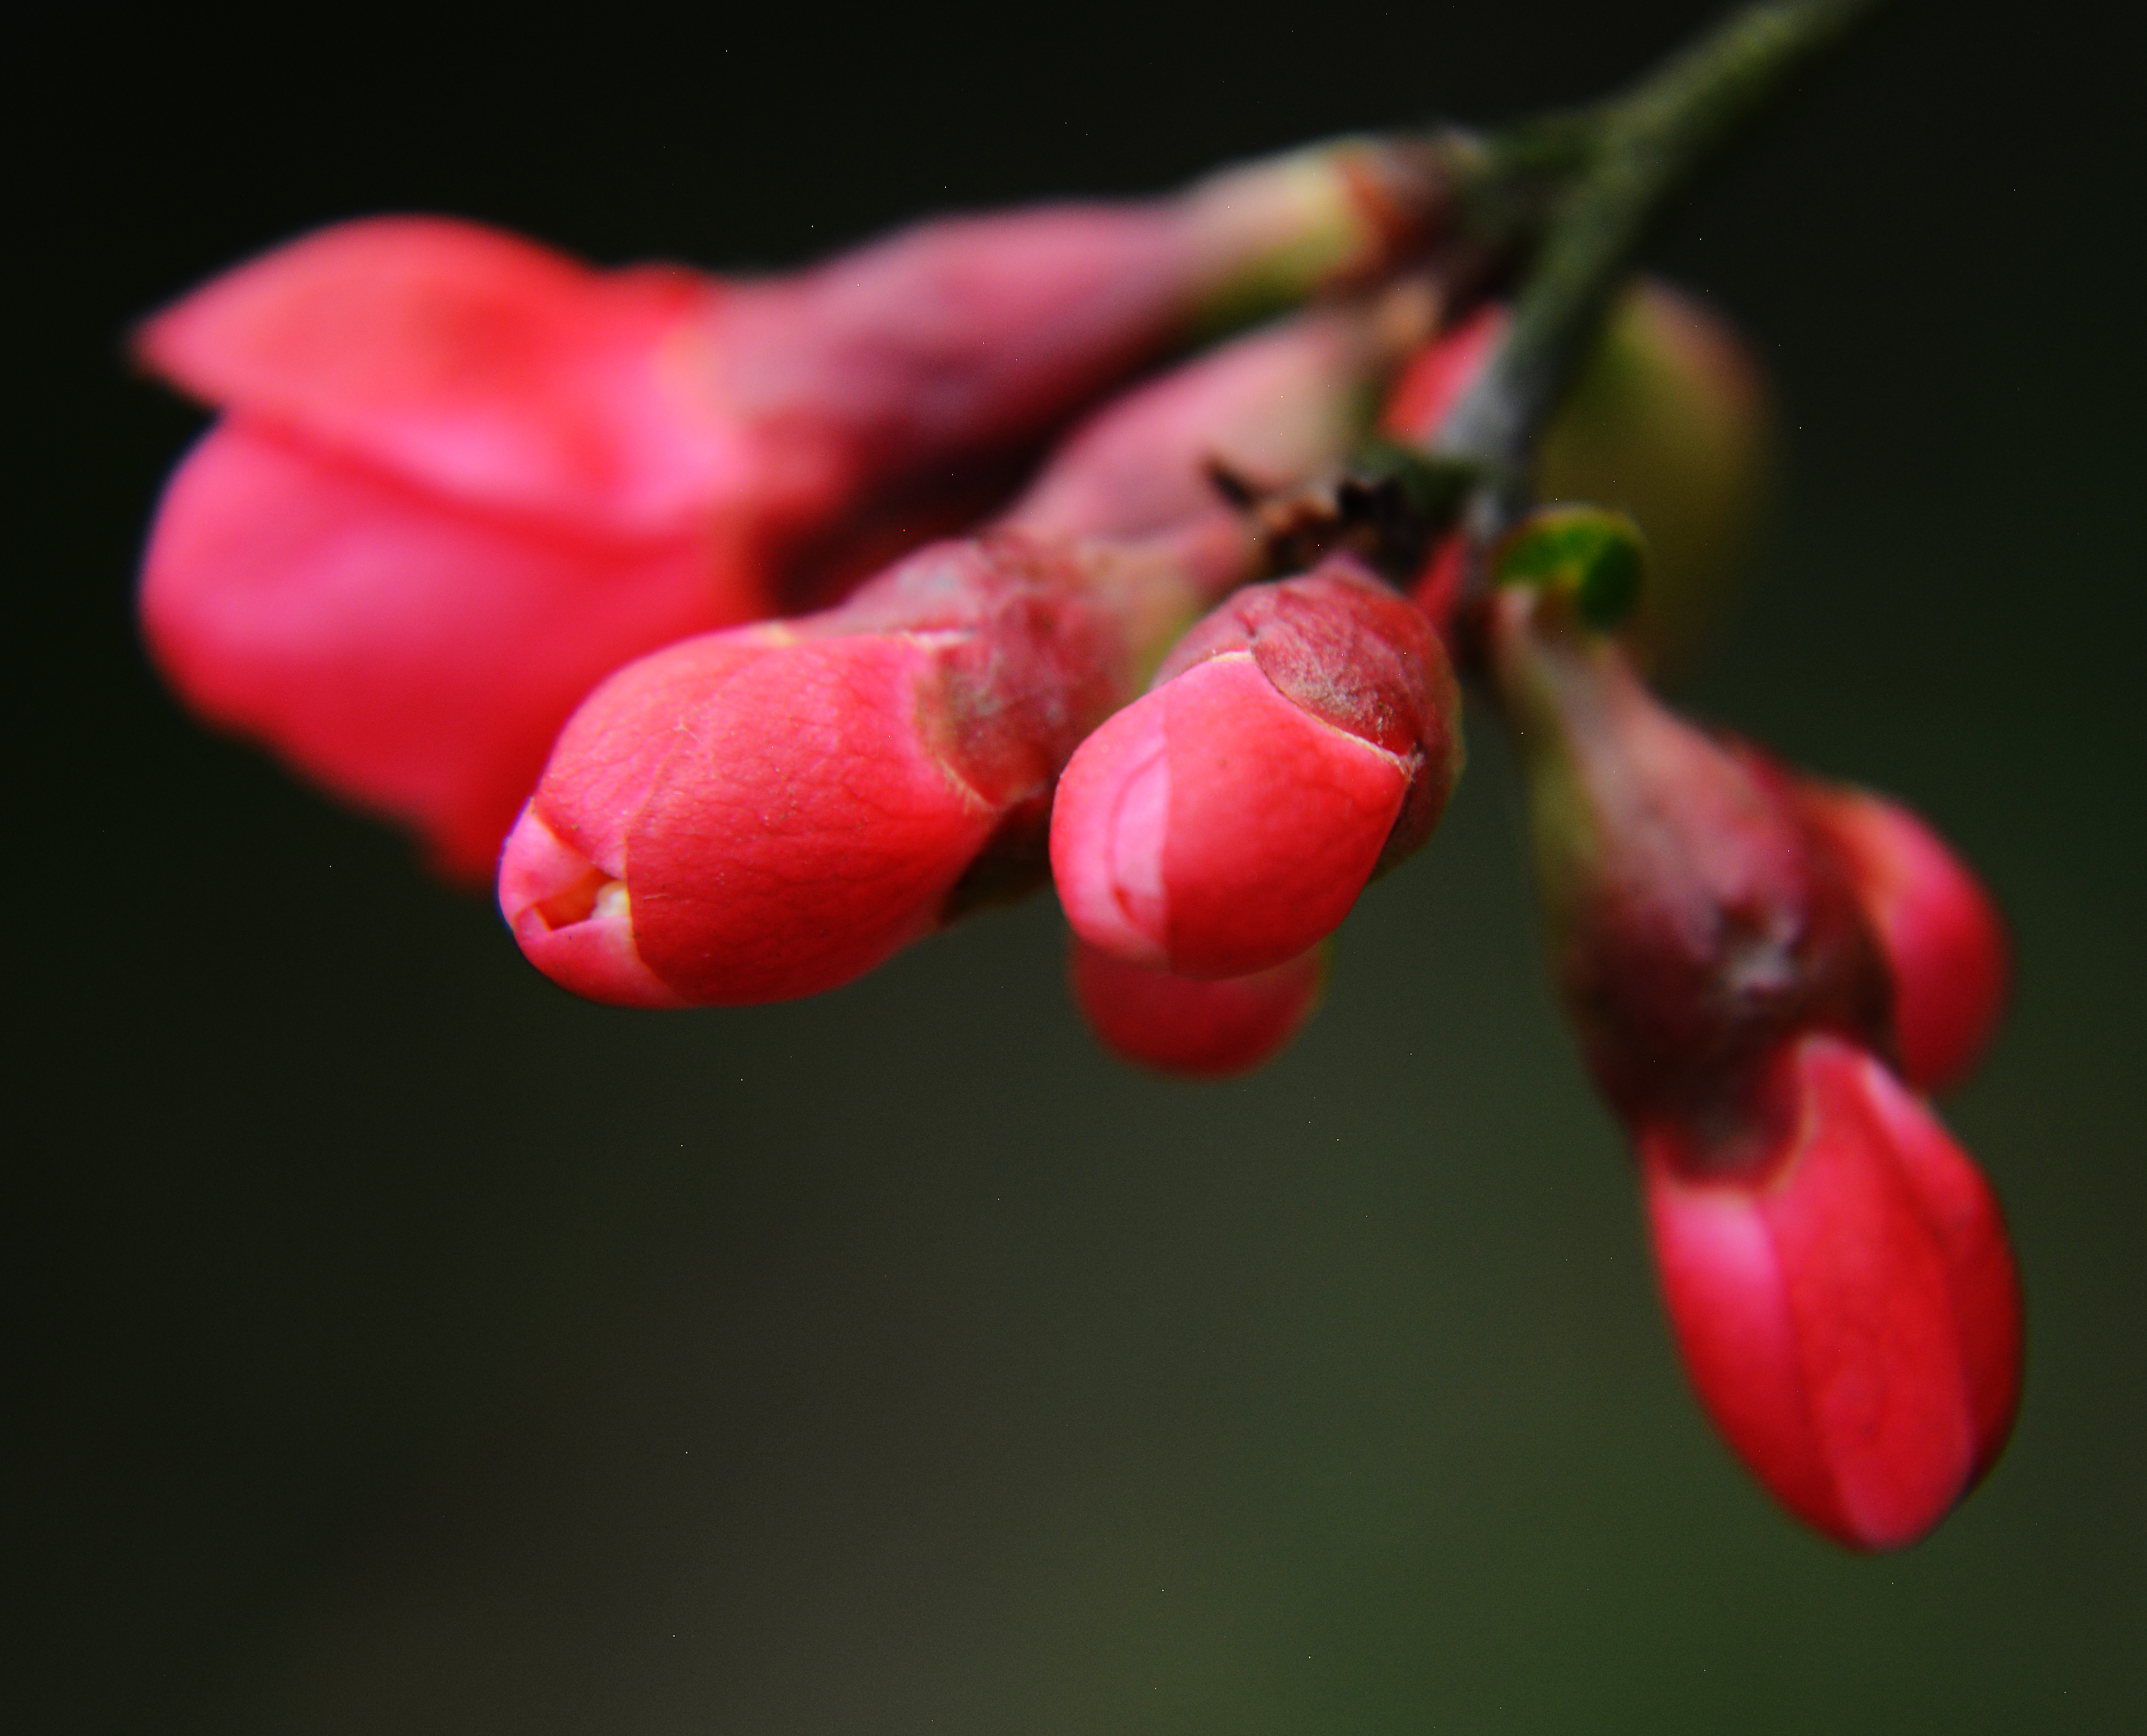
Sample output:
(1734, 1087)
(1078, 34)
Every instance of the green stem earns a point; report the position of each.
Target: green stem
(1646, 143)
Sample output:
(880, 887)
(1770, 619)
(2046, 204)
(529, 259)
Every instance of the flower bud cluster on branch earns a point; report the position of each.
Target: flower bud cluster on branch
(753, 630)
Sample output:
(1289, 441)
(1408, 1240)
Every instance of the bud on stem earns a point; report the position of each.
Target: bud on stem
(1302, 736)
(1847, 1309)
(1729, 940)
(1944, 943)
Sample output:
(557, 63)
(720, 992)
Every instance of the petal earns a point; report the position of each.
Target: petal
(573, 921)
(1109, 820)
(1722, 1282)
(1962, 1214)
(1276, 820)
(415, 658)
(1213, 829)
(1945, 941)
(1270, 409)
(1867, 1287)
(474, 362)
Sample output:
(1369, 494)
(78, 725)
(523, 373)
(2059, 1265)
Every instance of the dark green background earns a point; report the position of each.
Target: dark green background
(406, 1348)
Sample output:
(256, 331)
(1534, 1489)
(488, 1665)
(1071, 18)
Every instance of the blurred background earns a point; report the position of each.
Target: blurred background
(407, 1346)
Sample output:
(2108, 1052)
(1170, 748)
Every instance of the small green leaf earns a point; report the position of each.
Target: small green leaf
(1597, 558)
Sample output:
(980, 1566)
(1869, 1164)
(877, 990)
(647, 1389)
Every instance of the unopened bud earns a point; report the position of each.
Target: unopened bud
(1304, 735)
(770, 811)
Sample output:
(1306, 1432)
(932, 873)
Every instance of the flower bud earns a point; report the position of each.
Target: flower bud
(1205, 1029)
(1944, 941)
(461, 478)
(770, 812)
(1669, 421)
(1301, 737)
(1835, 1266)
(1845, 1302)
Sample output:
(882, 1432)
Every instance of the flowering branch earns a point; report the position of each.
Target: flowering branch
(513, 549)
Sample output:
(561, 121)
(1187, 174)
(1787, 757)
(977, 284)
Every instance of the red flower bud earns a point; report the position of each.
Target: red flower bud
(462, 477)
(1944, 940)
(1846, 1304)
(1300, 738)
(766, 814)
(1271, 409)
(1836, 1267)
(1202, 1029)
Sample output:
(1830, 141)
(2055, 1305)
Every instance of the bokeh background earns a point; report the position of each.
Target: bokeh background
(405, 1347)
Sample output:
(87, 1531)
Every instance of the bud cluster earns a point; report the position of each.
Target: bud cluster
(754, 630)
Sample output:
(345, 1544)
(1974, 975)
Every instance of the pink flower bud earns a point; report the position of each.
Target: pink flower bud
(1300, 738)
(1270, 409)
(1944, 940)
(768, 813)
(461, 478)
(1209, 1029)
(1846, 1305)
